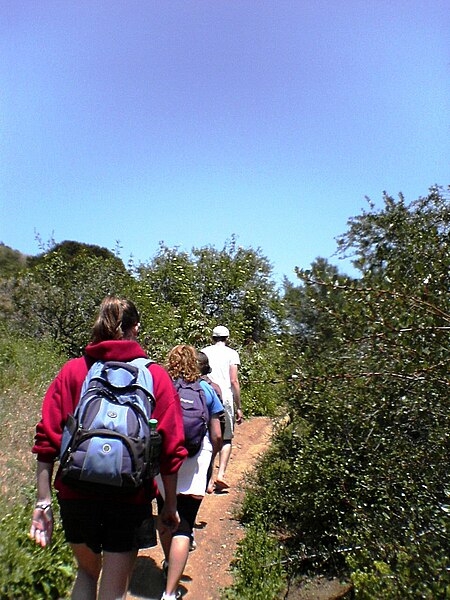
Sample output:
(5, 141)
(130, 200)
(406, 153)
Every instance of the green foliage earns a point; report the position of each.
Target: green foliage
(168, 301)
(263, 376)
(260, 574)
(180, 296)
(358, 482)
(26, 363)
(11, 261)
(235, 287)
(26, 368)
(69, 250)
(58, 296)
(310, 327)
(27, 570)
(208, 287)
(416, 570)
(406, 245)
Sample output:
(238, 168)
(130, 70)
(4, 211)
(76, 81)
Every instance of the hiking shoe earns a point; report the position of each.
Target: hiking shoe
(177, 595)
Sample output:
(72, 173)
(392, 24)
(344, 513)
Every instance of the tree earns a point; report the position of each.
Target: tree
(59, 295)
(209, 286)
(69, 250)
(359, 480)
(311, 327)
(183, 296)
(406, 245)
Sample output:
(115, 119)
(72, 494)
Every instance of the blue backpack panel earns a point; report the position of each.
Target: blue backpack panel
(107, 444)
(195, 413)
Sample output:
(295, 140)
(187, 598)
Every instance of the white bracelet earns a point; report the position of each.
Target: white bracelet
(43, 506)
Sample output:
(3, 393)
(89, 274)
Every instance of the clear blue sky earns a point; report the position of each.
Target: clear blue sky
(188, 121)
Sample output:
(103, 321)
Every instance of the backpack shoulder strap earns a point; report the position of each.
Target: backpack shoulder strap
(141, 362)
(94, 371)
(145, 379)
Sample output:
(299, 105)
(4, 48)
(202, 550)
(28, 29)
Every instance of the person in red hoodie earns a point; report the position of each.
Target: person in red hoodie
(103, 531)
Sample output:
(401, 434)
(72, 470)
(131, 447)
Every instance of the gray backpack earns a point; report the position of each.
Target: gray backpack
(108, 443)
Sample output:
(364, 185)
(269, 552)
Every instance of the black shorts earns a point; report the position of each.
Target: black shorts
(106, 526)
(187, 508)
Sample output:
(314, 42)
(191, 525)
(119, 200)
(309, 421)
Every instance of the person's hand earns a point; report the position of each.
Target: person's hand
(169, 519)
(42, 524)
(239, 416)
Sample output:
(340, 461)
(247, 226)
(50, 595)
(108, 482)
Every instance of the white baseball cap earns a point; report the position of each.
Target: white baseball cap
(220, 331)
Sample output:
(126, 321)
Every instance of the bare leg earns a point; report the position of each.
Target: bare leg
(89, 567)
(117, 568)
(179, 552)
(224, 457)
(210, 487)
(176, 546)
(165, 537)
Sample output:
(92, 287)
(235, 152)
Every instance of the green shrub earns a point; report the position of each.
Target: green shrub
(416, 570)
(359, 482)
(27, 364)
(262, 375)
(259, 572)
(27, 570)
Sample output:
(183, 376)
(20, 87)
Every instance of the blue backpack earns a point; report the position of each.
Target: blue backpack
(108, 444)
(195, 413)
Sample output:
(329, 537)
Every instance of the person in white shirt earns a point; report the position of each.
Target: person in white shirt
(224, 363)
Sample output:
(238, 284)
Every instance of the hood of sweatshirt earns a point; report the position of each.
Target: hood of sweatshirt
(123, 350)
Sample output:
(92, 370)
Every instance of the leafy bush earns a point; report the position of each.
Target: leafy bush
(27, 570)
(260, 575)
(263, 378)
(59, 295)
(358, 482)
(27, 364)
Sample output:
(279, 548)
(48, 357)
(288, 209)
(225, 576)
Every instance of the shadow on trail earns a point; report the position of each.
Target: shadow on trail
(147, 581)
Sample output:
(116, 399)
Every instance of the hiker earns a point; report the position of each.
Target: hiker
(183, 367)
(103, 529)
(224, 362)
(205, 370)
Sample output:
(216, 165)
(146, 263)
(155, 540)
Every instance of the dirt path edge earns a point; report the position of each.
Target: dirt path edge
(217, 530)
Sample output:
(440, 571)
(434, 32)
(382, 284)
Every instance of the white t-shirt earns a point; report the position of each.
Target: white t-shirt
(221, 357)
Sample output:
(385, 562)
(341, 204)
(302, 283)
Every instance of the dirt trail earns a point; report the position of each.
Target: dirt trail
(217, 532)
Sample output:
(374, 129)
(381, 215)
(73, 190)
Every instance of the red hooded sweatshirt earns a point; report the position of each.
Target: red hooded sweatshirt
(63, 395)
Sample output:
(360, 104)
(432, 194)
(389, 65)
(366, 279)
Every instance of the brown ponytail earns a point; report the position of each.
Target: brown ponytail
(115, 318)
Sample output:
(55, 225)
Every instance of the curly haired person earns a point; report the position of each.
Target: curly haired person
(193, 475)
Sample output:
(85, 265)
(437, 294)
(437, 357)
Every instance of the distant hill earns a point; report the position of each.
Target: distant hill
(11, 261)
(70, 249)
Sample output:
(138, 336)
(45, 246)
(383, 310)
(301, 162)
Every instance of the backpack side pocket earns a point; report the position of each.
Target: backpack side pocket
(67, 437)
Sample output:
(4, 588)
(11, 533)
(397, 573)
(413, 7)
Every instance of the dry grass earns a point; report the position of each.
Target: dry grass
(18, 418)
(26, 368)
